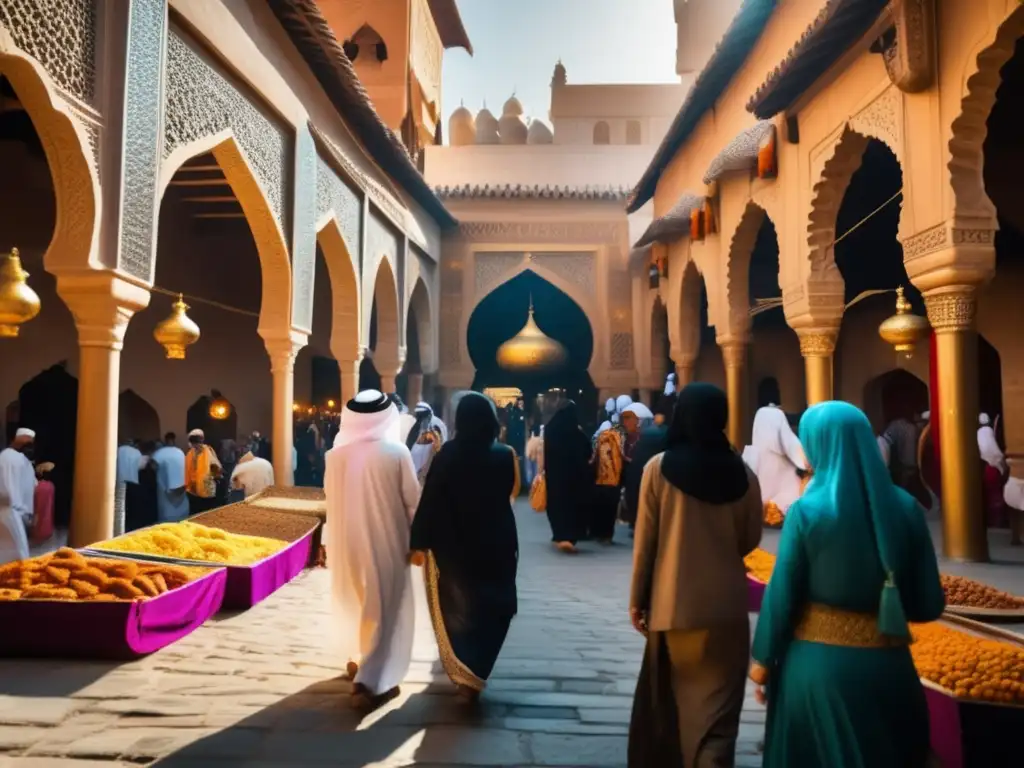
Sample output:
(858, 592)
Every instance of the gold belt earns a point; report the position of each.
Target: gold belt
(834, 626)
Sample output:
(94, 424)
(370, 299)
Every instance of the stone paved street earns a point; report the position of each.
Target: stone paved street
(261, 689)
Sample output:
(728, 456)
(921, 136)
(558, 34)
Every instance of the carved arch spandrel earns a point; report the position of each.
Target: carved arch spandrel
(66, 143)
(387, 353)
(969, 128)
(346, 303)
(275, 263)
(683, 306)
(737, 271)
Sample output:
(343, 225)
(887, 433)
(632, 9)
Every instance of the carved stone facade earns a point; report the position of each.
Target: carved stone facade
(201, 102)
(909, 47)
(304, 229)
(333, 194)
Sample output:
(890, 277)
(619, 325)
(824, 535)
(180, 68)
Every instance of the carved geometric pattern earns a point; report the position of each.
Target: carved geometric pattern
(622, 352)
(575, 268)
(333, 193)
(881, 120)
(951, 312)
(304, 229)
(61, 36)
(818, 344)
(381, 239)
(142, 117)
(492, 267)
(200, 102)
(539, 232)
(532, 192)
(426, 50)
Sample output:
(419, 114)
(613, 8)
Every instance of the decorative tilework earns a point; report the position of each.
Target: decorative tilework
(304, 229)
(333, 193)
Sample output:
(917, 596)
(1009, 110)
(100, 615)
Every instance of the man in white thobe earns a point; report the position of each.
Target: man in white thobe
(372, 494)
(252, 475)
(774, 455)
(17, 492)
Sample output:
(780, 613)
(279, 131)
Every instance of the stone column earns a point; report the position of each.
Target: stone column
(102, 304)
(282, 353)
(951, 311)
(387, 384)
(414, 391)
(685, 372)
(734, 355)
(349, 378)
(818, 346)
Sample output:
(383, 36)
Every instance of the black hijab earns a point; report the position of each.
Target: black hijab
(476, 422)
(698, 459)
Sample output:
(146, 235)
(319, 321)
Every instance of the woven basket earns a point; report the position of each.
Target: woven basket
(248, 520)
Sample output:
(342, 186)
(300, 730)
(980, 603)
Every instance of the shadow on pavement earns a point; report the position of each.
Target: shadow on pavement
(49, 678)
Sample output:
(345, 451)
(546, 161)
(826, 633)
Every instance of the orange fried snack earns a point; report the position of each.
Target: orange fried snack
(968, 593)
(969, 666)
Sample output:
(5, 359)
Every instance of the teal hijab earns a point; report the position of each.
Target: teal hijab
(851, 479)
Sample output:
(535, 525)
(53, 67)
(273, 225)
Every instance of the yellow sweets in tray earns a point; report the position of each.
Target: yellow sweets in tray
(760, 564)
(70, 575)
(967, 665)
(191, 541)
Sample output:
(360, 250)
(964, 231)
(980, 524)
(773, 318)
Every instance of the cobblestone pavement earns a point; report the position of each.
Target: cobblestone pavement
(261, 689)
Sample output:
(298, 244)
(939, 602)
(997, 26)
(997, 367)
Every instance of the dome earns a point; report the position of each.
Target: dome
(530, 349)
(512, 129)
(512, 108)
(539, 133)
(486, 127)
(461, 128)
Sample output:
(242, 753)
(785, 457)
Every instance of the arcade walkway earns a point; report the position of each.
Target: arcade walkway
(259, 690)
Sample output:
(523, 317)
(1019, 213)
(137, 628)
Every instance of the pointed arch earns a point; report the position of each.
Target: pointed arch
(67, 145)
(387, 351)
(686, 345)
(346, 303)
(420, 308)
(737, 269)
(969, 129)
(275, 263)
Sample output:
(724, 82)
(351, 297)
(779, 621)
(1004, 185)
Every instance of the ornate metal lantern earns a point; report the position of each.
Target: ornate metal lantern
(220, 408)
(18, 302)
(904, 330)
(177, 332)
(530, 349)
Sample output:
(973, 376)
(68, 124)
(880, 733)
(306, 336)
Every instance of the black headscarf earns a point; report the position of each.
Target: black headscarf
(699, 460)
(476, 422)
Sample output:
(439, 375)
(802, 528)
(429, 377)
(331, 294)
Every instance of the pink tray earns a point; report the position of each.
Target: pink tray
(248, 585)
(755, 594)
(121, 630)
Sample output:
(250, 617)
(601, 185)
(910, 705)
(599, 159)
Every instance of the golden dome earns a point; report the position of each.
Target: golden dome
(486, 127)
(18, 302)
(177, 332)
(461, 128)
(904, 329)
(513, 108)
(530, 349)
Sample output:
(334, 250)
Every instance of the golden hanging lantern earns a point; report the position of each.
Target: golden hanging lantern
(530, 349)
(904, 329)
(18, 302)
(220, 409)
(177, 332)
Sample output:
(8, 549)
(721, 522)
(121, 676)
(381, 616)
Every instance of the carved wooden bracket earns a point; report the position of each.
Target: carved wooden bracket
(908, 47)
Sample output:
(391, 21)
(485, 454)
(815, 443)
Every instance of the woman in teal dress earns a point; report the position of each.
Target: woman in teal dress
(855, 563)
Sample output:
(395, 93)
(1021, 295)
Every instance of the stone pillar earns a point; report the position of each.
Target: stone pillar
(414, 391)
(282, 353)
(684, 373)
(102, 304)
(349, 379)
(387, 384)
(951, 311)
(818, 346)
(734, 355)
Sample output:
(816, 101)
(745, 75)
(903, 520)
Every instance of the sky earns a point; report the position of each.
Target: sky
(518, 42)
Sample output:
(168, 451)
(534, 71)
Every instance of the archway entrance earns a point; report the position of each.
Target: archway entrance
(503, 313)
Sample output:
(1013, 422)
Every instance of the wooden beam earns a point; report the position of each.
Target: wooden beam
(218, 215)
(211, 199)
(213, 167)
(199, 183)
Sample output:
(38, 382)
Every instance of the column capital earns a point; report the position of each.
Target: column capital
(951, 309)
(283, 349)
(956, 252)
(734, 349)
(818, 342)
(102, 303)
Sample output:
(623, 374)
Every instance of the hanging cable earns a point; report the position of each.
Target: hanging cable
(207, 302)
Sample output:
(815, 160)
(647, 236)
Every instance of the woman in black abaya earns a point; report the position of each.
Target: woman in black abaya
(569, 476)
(464, 534)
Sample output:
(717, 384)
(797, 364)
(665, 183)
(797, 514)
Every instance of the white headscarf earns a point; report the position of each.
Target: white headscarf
(622, 403)
(642, 411)
(772, 433)
(363, 427)
(605, 426)
(609, 406)
(435, 422)
(670, 385)
(988, 447)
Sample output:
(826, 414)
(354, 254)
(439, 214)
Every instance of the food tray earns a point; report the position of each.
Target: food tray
(755, 593)
(250, 584)
(117, 630)
(310, 502)
(986, 614)
(966, 733)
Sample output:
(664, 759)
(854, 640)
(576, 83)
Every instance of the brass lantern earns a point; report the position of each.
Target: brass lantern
(177, 332)
(18, 302)
(530, 349)
(220, 408)
(904, 329)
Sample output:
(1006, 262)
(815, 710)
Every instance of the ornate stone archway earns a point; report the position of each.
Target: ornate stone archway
(684, 321)
(737, 271)
(346, 303)
(388, 355)
(420, 307)
(69, 143)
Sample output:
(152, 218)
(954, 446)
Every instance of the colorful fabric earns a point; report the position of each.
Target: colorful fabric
(609, 455)
(199, 464)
